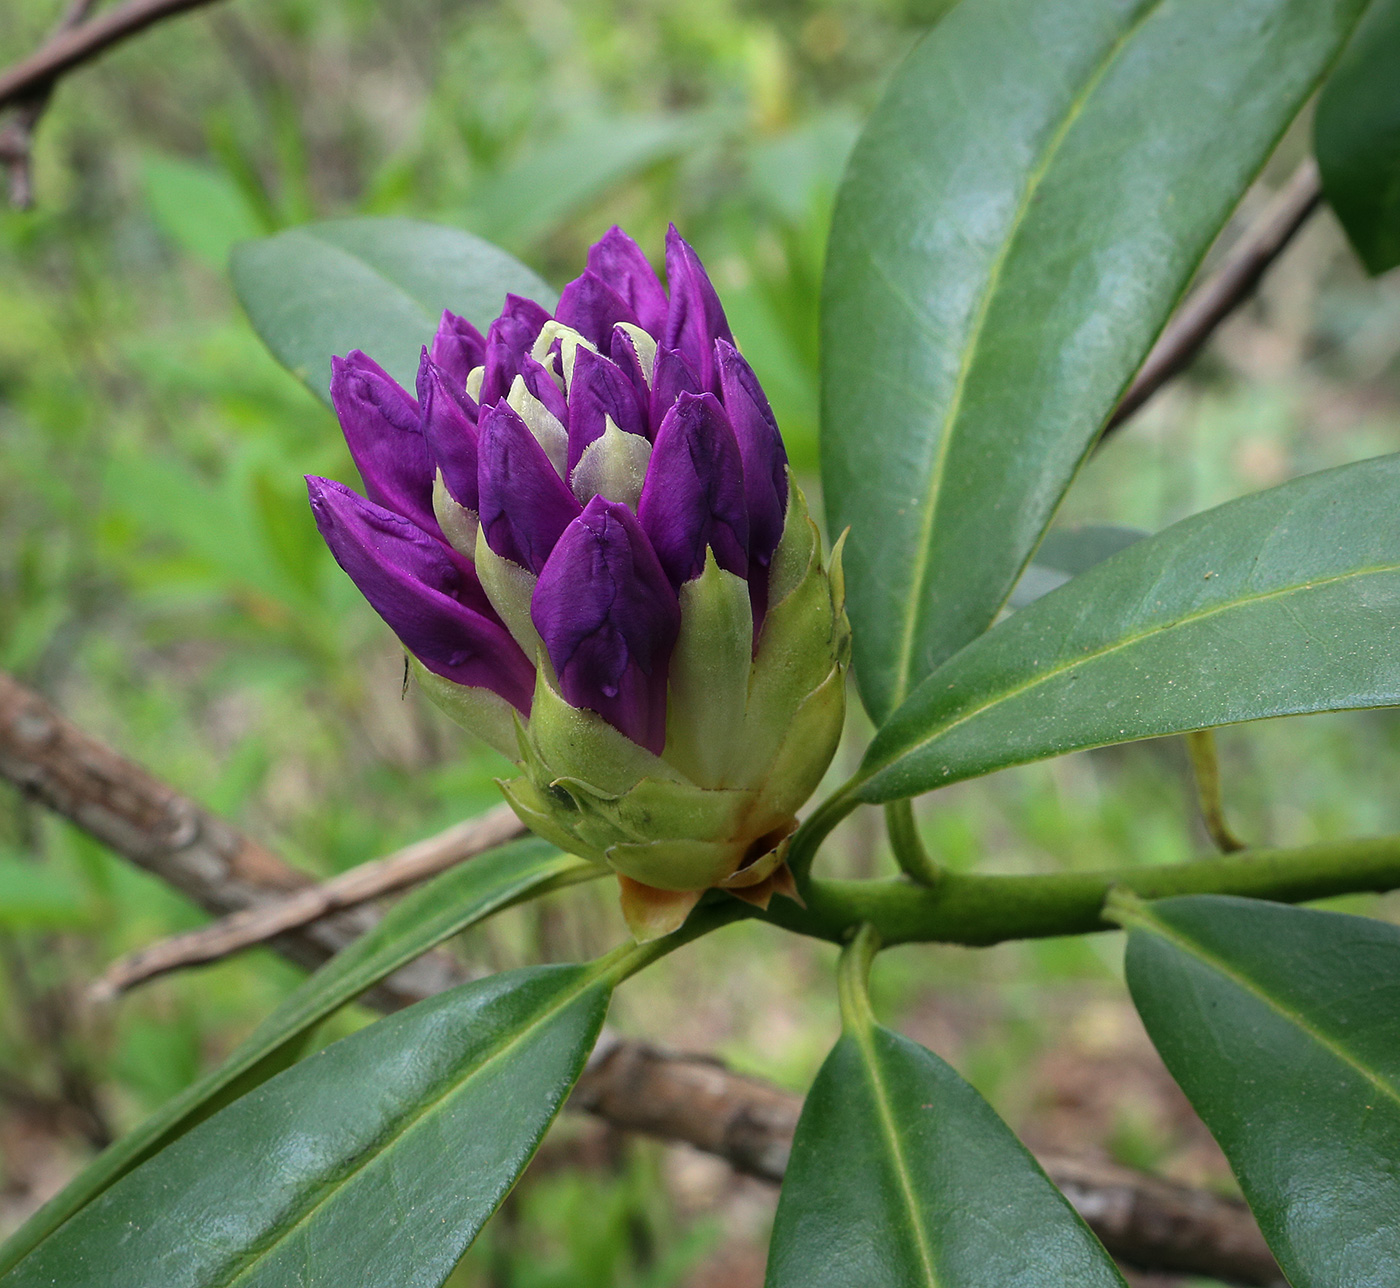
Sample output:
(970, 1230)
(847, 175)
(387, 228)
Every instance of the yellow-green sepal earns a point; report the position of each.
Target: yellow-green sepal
(510, 588)
(812, 736)
(676, 864)
(708, 684)
(541, 814)
(575, 743)
(479, 711)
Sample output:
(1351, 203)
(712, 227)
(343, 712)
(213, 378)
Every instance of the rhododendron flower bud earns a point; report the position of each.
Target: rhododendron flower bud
(584, 532)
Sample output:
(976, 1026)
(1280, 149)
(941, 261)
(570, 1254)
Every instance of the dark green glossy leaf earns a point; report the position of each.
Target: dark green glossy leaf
(1065, 553)
(1026, 205)
(1284, 602)
(1357, 130)
(374, 284)
(374, 1162)
(439, 909)
(1282, 1025)
(902, 1175)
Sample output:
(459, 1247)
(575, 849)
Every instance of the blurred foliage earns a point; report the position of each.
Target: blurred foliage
(160, 575)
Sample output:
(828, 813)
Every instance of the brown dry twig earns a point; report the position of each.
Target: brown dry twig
(690, 1099)
(28, 85)
(240, 930)
(1225, 290)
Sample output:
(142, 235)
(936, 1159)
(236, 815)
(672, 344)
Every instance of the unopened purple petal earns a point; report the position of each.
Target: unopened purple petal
(695, 318)
(593, 308)
(671, 377)
(693, 497)
(600, 390)
(541, 384)
(609, 620)
(380, 421)
(524, 504)
(619, 261)
(458, 348)
(765, 459)
(427, 594)
(450, 434)
(507, 344)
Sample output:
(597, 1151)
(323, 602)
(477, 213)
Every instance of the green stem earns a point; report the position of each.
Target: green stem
(627, 959)
(853, 979)
(802, 849)
(978, 910)
(918, 864)
(1205, 764)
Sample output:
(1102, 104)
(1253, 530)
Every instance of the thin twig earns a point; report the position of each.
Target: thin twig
(1205, 766)
(690, 1099)
(1225, 290)
(17, 138)
(71, 48)
(241, 930)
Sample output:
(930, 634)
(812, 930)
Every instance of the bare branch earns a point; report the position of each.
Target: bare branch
(72, 46)
(1144, 1222)
(151, 824)
(256, 925)
(1225, 290)
(691, 1099)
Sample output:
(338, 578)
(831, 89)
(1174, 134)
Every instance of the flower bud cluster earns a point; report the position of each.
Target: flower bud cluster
(584, 532)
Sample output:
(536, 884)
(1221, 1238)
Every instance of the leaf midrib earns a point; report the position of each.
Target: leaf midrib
(330, 1192)
(922, 551)
(864, 1038)
(1128, 641)
(1194, 949)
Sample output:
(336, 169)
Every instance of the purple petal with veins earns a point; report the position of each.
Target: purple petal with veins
(600, 390)
(693, 497)
(609, 620)
(593, 308)
(450, 434)
(508, 342)
(765, 462)
(427, 593)
(541, 384)
(671, 377)
(695, 318)
(380, 421)
(457, 348)
(619, 261)
(524, 504)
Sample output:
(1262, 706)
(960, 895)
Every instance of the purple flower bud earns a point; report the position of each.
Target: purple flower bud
(693, 498)
(599, 389)
(427, 593)
(695, 318)
(541, 384)
(507, 345)
(609, 620)
(523, 503)
(671, 377)
(450, 433)
(619, 261)
(457, 348)
(381, 426)
(765, 461)
(593, 308)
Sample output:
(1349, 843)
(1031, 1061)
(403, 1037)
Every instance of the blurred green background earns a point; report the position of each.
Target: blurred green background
(160, 576)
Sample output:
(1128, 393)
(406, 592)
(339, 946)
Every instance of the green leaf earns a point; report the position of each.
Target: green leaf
(374, 284)
(1357, 132)
(1281, 1026)
(1024, 209)
(1281, 603)
(201, 210)
(374, 1162)
(1065, 553)
(902, 1175)
(437, 910)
